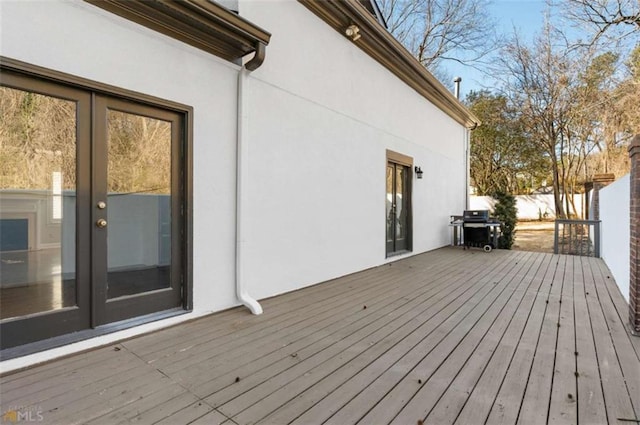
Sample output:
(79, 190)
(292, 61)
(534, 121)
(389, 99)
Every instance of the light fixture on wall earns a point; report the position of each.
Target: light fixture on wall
(418, 171)
(353, 32)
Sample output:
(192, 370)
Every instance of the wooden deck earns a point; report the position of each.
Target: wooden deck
(449, 336)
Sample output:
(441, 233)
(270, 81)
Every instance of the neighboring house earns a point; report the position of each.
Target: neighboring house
(148, 178)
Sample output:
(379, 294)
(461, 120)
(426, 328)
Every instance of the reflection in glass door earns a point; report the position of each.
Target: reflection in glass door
(41, 267)
(37, 203)
(92, 210)
(137, 263)
(398, 208)
(139, 204)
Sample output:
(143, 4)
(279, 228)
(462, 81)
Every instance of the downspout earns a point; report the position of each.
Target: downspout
(467, 147)
(241, 179)
(467, 170)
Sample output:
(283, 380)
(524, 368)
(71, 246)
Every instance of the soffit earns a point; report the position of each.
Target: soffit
(200, 23)
(378, 43)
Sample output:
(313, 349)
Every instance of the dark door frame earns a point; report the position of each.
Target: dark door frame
(106, 310)
(45, 330)
(47, 324)
(397, 160)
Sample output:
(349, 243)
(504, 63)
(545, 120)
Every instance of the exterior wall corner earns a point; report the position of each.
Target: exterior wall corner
(634, 239)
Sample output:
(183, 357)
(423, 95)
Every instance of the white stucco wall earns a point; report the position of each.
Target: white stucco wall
(317, 177)
(321, 115)
(615, 231)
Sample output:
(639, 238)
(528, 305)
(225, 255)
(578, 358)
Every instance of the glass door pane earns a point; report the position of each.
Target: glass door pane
(138, 204)
(401, 208)
(391, 218)
(398, 200)
(37, 203)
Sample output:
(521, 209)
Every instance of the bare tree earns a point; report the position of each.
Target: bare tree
(38, 139)
(539, 80)
(440, 30)
(628, 94)
(573, 105)
(603, 17)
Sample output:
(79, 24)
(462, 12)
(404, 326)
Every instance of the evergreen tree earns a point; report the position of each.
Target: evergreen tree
(505, 210)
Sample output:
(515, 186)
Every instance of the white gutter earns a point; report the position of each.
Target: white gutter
(467, 148)
(241, 178)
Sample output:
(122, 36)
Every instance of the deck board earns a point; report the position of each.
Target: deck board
(190, 414)
(295, 350)
(277, 310)
(619, 403)
(313, 329)
(511, 357)
(622, 341)
(564, 394)
(364, 402)
(454, 331)
(535, 403)
(449, 336)
(389, 365)
(591, 406)
(286, 318)
(494, 319)
(506, 406)
(93, 395)
(375, 336)
(615, 298)
(51, 387)
(504, 332)
(379, 357)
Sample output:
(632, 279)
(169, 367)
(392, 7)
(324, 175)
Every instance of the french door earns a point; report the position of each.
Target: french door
(135, 207)
(398, 201)
(91, 205)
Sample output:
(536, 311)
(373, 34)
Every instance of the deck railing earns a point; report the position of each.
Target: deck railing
(577, 237)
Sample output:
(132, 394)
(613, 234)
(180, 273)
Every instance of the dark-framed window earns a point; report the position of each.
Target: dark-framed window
(399, 214)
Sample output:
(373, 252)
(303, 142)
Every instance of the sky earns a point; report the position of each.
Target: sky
(526, 16)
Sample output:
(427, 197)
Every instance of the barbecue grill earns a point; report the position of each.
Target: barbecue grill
(480, 230)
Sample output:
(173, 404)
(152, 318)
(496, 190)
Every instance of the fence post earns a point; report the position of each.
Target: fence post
(634, 236)
(588, 186)
(599, 181)
(596, 238)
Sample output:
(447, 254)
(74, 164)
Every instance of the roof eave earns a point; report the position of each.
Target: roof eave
(203, 24)
(378, 43)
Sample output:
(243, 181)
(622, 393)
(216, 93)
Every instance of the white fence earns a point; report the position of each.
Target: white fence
(614, 213)
(530, 207)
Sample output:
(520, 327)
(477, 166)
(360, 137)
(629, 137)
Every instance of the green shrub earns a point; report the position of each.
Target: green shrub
(505, 210)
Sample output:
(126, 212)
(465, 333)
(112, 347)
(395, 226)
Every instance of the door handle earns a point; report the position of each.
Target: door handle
(102, 223)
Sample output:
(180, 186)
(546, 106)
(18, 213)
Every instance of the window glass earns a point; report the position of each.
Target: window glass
(37, 203)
